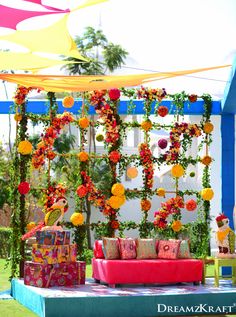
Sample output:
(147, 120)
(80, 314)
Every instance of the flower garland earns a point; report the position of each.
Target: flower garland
(147, 163)
(183, 128)
(171, 207)
(52, 193)
(44, 148)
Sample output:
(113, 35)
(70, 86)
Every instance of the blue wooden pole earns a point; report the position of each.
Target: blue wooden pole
(227, 177)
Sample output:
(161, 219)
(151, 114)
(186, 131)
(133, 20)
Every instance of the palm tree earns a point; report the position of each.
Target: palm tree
(102, 55)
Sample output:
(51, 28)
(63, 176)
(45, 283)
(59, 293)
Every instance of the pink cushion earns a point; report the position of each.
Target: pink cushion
(97, 250)
(147, 271)
(110, 248)
(168, 249)
(146, 248)
(127, 248)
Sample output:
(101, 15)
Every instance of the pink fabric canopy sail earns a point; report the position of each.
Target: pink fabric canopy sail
(48, 7)
(10, 17)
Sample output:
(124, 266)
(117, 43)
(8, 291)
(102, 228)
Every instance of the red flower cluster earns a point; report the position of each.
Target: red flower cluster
(171, 206)
(24, 188)
(175, 134)
(21, 94)
(106, 113)
(53, 193)
(44, 148)
(114, 156)
(151, 94)
(146, 161)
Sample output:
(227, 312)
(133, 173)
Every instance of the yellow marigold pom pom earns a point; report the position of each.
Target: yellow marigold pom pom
(18, 117)
(207, 193)
(206, 160)
(161, 192)
(25, 147)
(176, 225)
(132, 172)
(30, 225)
(77, 218)
(83, 156)
(116, 201)
(68, 102)
(84, 122)
(146, 125)
(208, 127)
(117, 189)
(177, 170)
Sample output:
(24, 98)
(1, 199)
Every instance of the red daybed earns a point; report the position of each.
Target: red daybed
(153, 271)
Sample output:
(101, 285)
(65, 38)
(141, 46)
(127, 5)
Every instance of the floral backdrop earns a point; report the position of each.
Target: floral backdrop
(45, 157)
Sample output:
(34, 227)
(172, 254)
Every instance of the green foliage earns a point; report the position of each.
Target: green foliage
(100, 54)
(5, 163)
(5, 246)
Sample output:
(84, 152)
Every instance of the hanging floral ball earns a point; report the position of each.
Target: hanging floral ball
(51, 155)
(17, 117)
(177, 170)
(31, 225)
(117, 189)
(100, 137)
(206, 160)
(77, 219)
(24, 188)
(192, 98)
(68, 102)
(161, 192)
(115, 224)
(146, 125)
(84, 122)
(192, 174)
(132, 172)
(176, 225)
(116, 201)
(191, 205)
(81, 191)
(114, 94)
(145, 204)
(162, 143)
(162, 111)
(83, 156)
(114, 156)
(25, 147)
(207, 193)
(208, 127)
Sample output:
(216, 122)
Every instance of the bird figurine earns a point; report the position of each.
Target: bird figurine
(54, 215)
(225, 238)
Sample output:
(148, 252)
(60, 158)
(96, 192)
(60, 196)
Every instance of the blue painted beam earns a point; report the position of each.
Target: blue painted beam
(227, 171)
(40, 107)
(229, 98)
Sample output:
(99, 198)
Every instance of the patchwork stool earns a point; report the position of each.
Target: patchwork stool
(224, 262)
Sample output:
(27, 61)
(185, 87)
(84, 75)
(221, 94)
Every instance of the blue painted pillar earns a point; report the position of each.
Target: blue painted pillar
(227, 170)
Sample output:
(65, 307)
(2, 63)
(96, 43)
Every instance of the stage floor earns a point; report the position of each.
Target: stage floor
(97, 300)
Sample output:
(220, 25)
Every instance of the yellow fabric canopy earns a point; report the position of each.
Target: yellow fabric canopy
(26, 61)
(54, 39)
(59, 83)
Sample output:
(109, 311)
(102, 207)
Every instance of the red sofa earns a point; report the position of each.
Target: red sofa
(156, 271)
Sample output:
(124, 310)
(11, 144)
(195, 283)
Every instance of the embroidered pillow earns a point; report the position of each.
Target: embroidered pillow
(168, 249)
(184, 251)
(146, 248)
(97, 250)
(127, 248)
(110, 248)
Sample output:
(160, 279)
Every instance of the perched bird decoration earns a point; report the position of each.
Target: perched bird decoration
(52, 218)
(225, 238)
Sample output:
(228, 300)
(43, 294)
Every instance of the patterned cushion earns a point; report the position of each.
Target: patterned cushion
(146, 248)
(127, 248)
(184, 251)
(110, 248)
(97, 250)
(168, 249)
